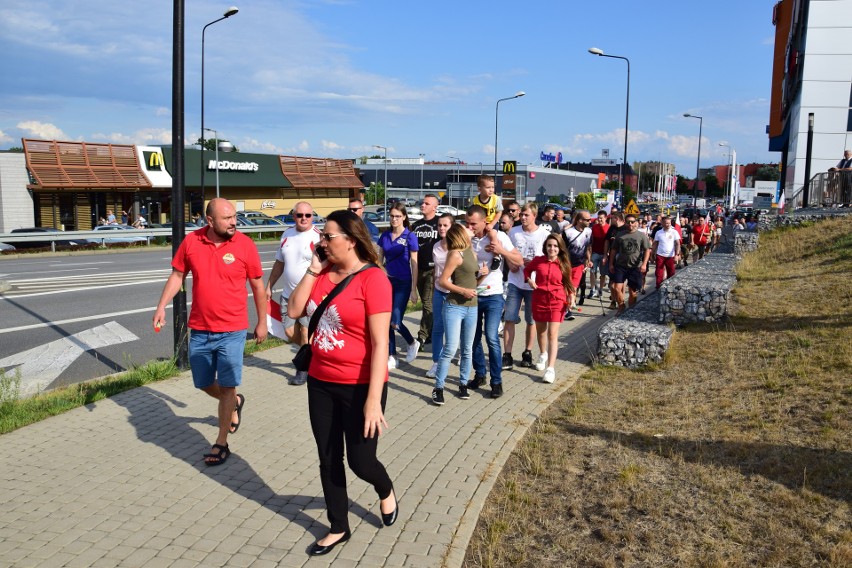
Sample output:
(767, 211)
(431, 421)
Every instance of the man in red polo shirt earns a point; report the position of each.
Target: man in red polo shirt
(221, 260)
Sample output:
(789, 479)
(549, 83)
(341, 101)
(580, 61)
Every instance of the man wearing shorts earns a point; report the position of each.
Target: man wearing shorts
(629, 261)
(220, 260)
(529, 240)
(578, 241)
(600, 228)
(292, 260)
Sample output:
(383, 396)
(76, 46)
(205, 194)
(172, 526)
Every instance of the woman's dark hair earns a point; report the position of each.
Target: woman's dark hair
(353, 227)
(399, 206)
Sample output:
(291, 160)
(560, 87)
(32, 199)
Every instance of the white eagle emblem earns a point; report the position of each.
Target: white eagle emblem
(329, 326)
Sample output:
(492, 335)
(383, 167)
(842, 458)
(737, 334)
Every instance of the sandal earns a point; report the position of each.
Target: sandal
(219, 458)
(236, 425)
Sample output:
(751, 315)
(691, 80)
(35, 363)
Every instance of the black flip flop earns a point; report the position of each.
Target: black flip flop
(239, 409)
(220, 458)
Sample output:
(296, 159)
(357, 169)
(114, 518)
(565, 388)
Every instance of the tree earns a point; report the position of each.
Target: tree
(17, 149)
(682, 188)
(648, 181)
(375, 193)
(585, 201)
(211, 143)
(711, 182)
(767, 173)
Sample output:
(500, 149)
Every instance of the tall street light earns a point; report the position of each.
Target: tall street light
(422, 162)
(599, 52)
(727, 163)
(496, 117)
(228, 13)
(698, 163)
(458, 175)
(222, 145)
(386, 179)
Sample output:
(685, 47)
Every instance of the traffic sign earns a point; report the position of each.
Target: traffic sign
(631, 208)
(602, 162)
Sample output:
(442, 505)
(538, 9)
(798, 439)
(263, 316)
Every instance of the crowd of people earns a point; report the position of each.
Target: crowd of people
(344, 291)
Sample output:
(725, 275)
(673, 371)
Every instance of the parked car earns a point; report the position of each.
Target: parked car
(46, 243)
(413, 213)
(286, 219)
(372, 217)
(118, 234)
(268, 221)
(4, 246)
(253, 215)
(449, 209)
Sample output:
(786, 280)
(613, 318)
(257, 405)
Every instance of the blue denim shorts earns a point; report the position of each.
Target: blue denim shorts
(512, 313)
(216, 357)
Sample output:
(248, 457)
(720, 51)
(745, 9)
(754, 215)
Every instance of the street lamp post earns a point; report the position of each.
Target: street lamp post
(422, 162)
(458, 175)
(228, 13)
(385, 215)
(698, 163)
(216, 138)
(727, 163)
(496, 117)
(599, 52)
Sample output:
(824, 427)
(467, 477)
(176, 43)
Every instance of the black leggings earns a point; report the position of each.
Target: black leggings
(337, 414)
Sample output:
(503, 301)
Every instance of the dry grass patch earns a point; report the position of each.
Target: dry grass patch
(735, 452)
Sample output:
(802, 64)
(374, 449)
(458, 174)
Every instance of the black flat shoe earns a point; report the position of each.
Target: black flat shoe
(318, 549)
(390, 518)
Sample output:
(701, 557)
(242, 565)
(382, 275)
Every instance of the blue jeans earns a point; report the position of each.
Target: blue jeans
(490, 309)
(400, 291)
(459, 327)
(438, 300)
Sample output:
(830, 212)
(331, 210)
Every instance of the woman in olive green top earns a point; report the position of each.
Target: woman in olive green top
(460, 278)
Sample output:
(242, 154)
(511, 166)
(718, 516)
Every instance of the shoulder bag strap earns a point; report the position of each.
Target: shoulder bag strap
(312, 325)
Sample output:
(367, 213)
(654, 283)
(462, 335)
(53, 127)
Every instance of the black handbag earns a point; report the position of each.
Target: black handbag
(302, 359)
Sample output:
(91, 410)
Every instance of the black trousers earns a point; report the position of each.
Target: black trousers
(337, 417)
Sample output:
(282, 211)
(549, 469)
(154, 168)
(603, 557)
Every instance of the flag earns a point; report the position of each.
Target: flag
(273, 320)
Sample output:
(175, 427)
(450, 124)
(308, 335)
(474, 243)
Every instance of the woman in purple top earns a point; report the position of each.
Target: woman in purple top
(397, 250)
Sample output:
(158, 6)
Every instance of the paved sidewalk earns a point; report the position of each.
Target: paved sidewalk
(122, 483)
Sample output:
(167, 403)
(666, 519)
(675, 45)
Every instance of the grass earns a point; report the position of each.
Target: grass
(734, 452)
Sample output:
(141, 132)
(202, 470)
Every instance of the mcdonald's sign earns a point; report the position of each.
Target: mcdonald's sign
(154, 160)
(509, 180)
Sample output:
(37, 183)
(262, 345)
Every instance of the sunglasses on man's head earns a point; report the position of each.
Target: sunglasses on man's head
(303, 215)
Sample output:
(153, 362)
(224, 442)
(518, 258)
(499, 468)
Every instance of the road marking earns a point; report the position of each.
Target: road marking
(40, 366)
(84, 318)
(80, 263)
(51, 271)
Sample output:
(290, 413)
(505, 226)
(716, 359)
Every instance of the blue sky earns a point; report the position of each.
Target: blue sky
(331, 78)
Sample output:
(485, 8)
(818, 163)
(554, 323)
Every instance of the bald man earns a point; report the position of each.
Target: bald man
(221, 260)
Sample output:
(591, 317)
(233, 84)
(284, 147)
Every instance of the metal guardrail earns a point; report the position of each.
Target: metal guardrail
(826, 189)
(100, 237)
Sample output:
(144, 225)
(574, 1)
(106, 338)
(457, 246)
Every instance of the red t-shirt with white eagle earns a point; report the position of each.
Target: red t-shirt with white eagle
(342, 349)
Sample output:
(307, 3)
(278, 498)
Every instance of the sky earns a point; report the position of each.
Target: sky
(333, 78)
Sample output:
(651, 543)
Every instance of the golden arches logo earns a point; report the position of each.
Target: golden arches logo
(510, 167)
(155, 161)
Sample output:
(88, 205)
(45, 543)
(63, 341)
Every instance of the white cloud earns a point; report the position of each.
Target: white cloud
(4, 139)
(329, 146)
(143, 137)
(162, 111)
(304, 146)
(43, 130)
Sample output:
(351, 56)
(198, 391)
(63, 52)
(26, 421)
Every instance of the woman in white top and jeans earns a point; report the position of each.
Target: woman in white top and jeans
(439, 258)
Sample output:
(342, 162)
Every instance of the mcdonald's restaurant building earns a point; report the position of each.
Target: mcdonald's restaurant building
(73, 184)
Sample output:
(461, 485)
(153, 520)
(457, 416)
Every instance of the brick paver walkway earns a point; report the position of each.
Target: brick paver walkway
(122, 483)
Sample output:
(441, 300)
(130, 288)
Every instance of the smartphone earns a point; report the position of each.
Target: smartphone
(320, 253)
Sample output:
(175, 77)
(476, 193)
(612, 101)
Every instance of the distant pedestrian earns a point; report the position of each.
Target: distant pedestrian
(291, 260)
(221, 260)
(398, 253)
(629, 260)
(426, 230)
(666, 250)
(110, 218)
(439, 295)
(357, 206)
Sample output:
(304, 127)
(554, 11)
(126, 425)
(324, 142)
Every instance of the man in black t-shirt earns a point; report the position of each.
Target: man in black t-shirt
(426, 230)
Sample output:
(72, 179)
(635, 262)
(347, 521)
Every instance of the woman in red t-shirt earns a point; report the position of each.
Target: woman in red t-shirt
(551, 288)
(347, 378)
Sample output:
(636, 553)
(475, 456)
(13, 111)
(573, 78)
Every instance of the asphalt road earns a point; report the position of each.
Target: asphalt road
(68, 319)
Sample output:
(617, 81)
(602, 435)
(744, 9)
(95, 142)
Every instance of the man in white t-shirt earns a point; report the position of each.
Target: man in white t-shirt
(528, 238)
(666, 250)
(490, 301)
(292, 259)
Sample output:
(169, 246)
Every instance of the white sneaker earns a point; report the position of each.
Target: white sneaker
(433, 370)
(549, 375)
(411, 354)
(542, 362)
(391, 363)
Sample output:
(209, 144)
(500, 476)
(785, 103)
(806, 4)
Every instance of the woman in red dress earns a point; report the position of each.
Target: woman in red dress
(550, 278)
